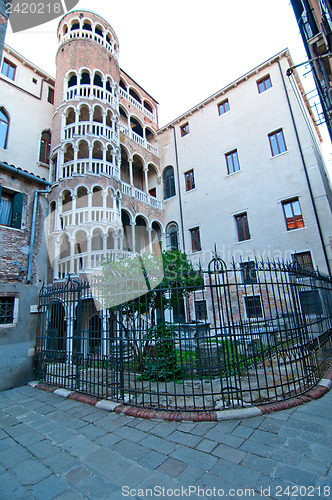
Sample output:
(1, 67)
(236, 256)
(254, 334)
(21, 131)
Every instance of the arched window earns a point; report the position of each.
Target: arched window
(45, 147)
(172, 236)
(169, 182)
(4, 126)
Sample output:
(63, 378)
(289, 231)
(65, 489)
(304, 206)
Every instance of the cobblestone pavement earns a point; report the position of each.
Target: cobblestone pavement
(51, 447)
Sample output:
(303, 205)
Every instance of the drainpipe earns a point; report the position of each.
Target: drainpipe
(33, 227)
(179, 189)
(306, 174)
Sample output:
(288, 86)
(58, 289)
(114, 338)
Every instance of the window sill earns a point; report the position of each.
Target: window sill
(233, 173)
(42, 164)
(7, 325)
(280, 154)
(3, 226)
(296, 229)
(170, 198)
(190, 190)
(243, 241)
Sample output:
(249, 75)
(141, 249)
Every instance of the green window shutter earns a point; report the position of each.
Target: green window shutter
(17, 210)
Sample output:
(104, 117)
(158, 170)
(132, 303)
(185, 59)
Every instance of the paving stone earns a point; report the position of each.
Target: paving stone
(210, 481)
(49, 488)
(133, 476)
(17, 430)
(203, 428)
(194, 457)
(31, 471)
(77, 475)
(264, 465)
(286, 456)
(262, 450)
(133, 434)
(184, 438)
(3, 434)
(96, 487)
(172, 467)
(29, 437)
(108, 463)
(297, 476)
(13, 455)
(271, 425)
(239, 476)
(156, 443)
(108, 440)
(71, 495)
(152, 460)
(229, 454)
(92, 432)
(206, 445)
(11, 489)
(163, 429)
(61, 435)
(146, 425)
(130, 450)
(191, 475)
(42, 449)
(268, 438)
(80, 446)
(61, 462)
(6, 443)
(242, 431)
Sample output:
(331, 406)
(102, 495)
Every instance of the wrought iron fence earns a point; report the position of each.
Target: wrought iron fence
(254, 333)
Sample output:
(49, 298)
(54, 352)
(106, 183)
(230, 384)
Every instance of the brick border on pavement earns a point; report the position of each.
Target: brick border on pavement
(323, 386)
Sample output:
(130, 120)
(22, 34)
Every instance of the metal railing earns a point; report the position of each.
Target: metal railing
(251, 334)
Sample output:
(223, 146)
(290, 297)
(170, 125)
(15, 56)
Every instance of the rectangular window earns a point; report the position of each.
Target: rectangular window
(304, 260)
(184, 129)
(223, 107)
(189, 180)
(277, 142)
(249, 272)
(242, 227)
(264, 84)
(253, 306)
(293, 214)
(7, 310)
(200, 310)
(8, 69)
(50, 97)
(11, 206)
(232, 161)
(195, 240)
(310, 302)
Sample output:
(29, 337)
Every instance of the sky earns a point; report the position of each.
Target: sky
(181, 51)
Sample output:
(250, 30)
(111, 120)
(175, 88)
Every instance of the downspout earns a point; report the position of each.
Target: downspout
(179, 189)
(306, 174)
(32, 233)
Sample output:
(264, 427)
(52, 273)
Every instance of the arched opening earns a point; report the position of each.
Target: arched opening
(97, 152)
(135, 95)
(127, 234)
(141, 235)
(148, 106)
(68, 153)
(99, 30)
(109, 154)
(109, 199)
(108, 85)
(152, 180)
(85, 78)
(64, 247)
(84, 114)
(4, 128)
(97, 80)
(97, 197)
(123, 85)
(45, 147)
(172, 236)
(80, 251)
(123, 118)
(52, 216)
(65, 29)
(70, 116)
(66, 201)
(125, 175)
(72, 81)
(83, 150)
(109, 118)
(81, 197)
(97, 240)
(98, 114)
(87, 25)
(169, 182)
(110, 240)
(75, 26)
(138, 173)
(136, 126)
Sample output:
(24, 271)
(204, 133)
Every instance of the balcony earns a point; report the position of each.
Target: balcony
(138, 139)
(96, 129)
(86, 262)
(140, 195)
(91, 92)
(137, 104)
(82, 33)
(87, 166)
(85, 216)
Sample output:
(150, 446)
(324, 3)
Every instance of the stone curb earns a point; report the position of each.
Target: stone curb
(323, 386)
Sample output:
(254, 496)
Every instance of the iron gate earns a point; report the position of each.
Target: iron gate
(253, 333)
